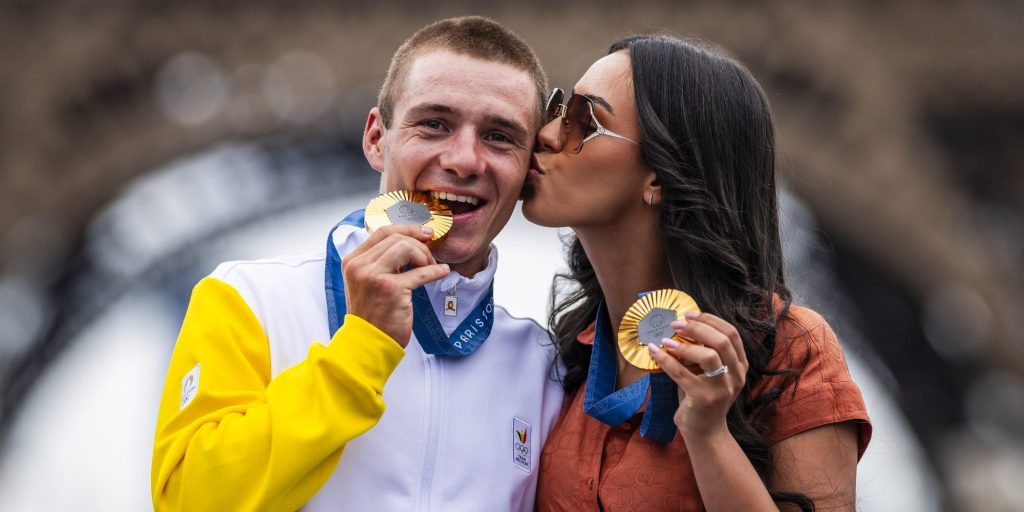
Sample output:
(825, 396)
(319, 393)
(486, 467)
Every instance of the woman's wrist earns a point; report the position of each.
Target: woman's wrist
(717, 432)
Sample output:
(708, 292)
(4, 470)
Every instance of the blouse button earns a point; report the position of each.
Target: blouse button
(590, 484)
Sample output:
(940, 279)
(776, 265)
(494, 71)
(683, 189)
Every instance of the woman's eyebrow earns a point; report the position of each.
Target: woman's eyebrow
(601, 101)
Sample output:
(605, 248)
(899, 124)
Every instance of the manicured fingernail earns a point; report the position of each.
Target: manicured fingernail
(653, 348)
(427, 230)
(678, 324)
(691, 315)
(670, 343)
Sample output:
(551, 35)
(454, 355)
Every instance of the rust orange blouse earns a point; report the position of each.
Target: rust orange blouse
(587, 465)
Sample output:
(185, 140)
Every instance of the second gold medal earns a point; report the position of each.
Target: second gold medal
(649, 320)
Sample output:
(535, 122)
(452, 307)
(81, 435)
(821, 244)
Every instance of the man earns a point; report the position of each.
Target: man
(257, 414)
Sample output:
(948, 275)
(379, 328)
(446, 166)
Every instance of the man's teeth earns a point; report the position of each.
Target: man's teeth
(447, 196)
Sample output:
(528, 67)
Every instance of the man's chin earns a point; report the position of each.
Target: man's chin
(461, 256)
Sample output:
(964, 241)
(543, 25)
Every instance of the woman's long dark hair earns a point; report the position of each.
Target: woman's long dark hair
(707, 134)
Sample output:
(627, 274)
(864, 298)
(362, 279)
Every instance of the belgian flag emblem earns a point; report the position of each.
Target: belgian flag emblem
(522, 436)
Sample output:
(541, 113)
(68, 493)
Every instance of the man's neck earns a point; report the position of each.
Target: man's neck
(470, 267)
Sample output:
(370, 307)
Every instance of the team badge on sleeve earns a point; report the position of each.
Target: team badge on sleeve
(189, 386)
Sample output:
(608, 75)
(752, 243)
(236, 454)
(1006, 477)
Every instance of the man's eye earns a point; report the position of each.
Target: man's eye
(500, 137)
(433, 124)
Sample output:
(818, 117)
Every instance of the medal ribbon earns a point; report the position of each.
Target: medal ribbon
(465, 339)
(611, 407)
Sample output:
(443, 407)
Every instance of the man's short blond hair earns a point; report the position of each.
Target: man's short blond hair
(474, 36)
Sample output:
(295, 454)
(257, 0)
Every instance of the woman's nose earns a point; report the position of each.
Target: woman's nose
(549, 138)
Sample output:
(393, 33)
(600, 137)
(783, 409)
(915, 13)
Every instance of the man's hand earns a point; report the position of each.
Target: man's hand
(376, 288)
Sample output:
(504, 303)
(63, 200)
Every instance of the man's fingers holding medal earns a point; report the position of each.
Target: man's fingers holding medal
(384, 238)
(379, 280)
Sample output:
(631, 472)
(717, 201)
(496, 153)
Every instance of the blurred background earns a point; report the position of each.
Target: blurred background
(141, 143)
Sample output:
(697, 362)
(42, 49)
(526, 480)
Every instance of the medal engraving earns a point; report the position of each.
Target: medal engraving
(408, 212)
(656, 325)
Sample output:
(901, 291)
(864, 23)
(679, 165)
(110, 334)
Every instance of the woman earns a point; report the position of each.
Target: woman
(662, 162)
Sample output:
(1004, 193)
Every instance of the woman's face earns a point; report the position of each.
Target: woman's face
(605, 181)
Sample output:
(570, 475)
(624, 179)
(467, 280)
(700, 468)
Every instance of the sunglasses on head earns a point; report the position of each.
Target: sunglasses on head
(578, 122)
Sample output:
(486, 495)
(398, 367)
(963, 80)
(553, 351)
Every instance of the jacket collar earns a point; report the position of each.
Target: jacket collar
(469, 291)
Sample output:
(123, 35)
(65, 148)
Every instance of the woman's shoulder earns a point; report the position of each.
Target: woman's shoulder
(800, 320)
(805, 341)
(813, 378)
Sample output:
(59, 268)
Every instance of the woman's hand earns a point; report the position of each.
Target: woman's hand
(704, 400)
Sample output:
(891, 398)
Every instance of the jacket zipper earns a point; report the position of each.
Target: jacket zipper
(433, 430)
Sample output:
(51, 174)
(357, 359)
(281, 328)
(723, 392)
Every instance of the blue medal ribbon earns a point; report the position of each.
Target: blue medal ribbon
(611, 407)
(465, 339)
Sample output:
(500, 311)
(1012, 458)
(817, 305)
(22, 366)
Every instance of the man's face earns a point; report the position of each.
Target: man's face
(462, 131)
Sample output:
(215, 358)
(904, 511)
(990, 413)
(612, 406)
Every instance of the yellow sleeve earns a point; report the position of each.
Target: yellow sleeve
(248, 442)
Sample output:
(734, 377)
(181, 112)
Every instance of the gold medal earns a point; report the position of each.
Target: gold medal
(408, 207)
(649, 320)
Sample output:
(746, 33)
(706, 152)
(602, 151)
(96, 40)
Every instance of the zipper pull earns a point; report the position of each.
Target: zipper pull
(451, 302)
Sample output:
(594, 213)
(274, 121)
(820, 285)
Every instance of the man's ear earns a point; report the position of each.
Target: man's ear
(373, 140)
